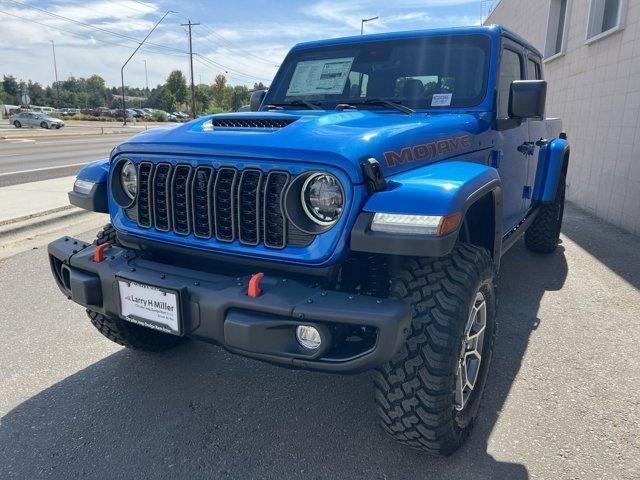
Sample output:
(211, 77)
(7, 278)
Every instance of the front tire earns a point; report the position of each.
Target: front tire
(123, 332)
(429, 394)
(543, 235)
(17, 124)
(44, 125)
(131, 335)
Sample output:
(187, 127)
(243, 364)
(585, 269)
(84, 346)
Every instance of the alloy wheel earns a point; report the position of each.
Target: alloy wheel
(470, 356)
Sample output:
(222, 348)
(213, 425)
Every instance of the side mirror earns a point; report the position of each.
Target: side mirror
(527, 99)
(256, 99)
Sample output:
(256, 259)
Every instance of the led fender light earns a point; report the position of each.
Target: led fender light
(83, 186)
(415, 224)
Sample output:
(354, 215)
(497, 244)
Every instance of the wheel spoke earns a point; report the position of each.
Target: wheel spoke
(471, 351)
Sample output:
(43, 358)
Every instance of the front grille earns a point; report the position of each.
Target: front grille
(226, 204)
(269, 123)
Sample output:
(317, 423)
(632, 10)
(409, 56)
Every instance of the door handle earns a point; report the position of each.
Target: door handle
(527, 148)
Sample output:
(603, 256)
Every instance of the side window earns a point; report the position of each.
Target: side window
(533, 70)
(510, 70)
(358, 84)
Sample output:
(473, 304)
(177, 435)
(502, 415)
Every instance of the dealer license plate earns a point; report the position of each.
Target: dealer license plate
(150, 306)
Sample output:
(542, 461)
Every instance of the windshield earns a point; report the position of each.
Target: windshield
(432, 72)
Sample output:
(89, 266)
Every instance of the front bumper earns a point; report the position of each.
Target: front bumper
(215, 307)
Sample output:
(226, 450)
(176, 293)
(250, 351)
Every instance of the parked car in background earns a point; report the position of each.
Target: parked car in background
(140, 113)
(34, 119)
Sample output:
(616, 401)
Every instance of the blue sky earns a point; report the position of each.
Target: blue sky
(247, 39)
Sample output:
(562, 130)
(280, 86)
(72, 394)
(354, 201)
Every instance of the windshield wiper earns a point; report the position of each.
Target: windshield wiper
(381, 101)
(293, 103)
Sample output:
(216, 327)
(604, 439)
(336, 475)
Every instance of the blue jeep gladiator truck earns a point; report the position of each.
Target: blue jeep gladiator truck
(353, 220)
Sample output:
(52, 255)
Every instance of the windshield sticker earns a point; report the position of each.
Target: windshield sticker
(441, 99)
(427, 151)
(317, 77)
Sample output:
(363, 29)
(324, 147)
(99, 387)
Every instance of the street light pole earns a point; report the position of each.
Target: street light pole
(124, 107)
(146, 76)
(365, 20)
(55, 69)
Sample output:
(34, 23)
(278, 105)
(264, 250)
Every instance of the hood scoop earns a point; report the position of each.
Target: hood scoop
(260, 123)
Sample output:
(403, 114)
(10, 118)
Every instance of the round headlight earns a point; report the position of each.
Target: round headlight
(322, 198)
(129, 179)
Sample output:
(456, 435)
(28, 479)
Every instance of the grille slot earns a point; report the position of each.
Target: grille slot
(144, 194)
(202, 215)
(275, 223)
(181, 199)
(161, 192)
(249, 206)
(224, 199)
(226, 204)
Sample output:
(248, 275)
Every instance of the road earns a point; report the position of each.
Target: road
(562, 400)
(32, 159)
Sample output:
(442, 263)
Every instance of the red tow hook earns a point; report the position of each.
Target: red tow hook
(254, 285)
(98, 253)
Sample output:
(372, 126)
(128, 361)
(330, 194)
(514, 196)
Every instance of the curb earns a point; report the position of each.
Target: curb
(42, 219)
(46, 218)
(69, 134)
(35, 215)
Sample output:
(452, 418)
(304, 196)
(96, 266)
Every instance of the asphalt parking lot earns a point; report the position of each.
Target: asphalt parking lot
(562, 401)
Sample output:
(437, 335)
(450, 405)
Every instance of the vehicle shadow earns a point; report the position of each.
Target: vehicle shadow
(199, 412)
(597, 237)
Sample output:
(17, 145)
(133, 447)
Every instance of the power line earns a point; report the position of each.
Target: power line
(84, 37)
(130, 7)
(227, 69)
(87, 25)
(224, 41)
(218, 70)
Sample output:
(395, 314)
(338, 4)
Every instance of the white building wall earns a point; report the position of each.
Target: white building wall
(595, 90)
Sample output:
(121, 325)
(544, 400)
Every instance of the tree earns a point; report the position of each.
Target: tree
(96, 91)
(168, 101)
(203, 98)
(37, 94)
(259, 86)
(11, 89)
(177, 86)
(218, 89)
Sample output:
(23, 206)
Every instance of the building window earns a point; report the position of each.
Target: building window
(556, 28)
(605, 17)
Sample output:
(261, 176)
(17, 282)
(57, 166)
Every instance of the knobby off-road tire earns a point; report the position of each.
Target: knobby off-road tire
(126, 333)
(416, 393)
(106, 235)
(543, 235)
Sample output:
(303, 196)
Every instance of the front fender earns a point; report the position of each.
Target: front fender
(96, 200)
(439, 189)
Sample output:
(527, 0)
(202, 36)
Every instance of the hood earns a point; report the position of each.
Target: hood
(342, 139)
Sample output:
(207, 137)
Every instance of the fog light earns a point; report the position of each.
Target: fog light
(308, 337)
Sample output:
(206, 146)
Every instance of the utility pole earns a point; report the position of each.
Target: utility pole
(146, 76)
(193, 97)
(55, 69)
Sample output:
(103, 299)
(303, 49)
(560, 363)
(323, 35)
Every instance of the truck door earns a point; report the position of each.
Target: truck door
(513, 137)
(537, 130)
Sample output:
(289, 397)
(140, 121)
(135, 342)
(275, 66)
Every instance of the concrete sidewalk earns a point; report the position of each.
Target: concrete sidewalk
(19, 202)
